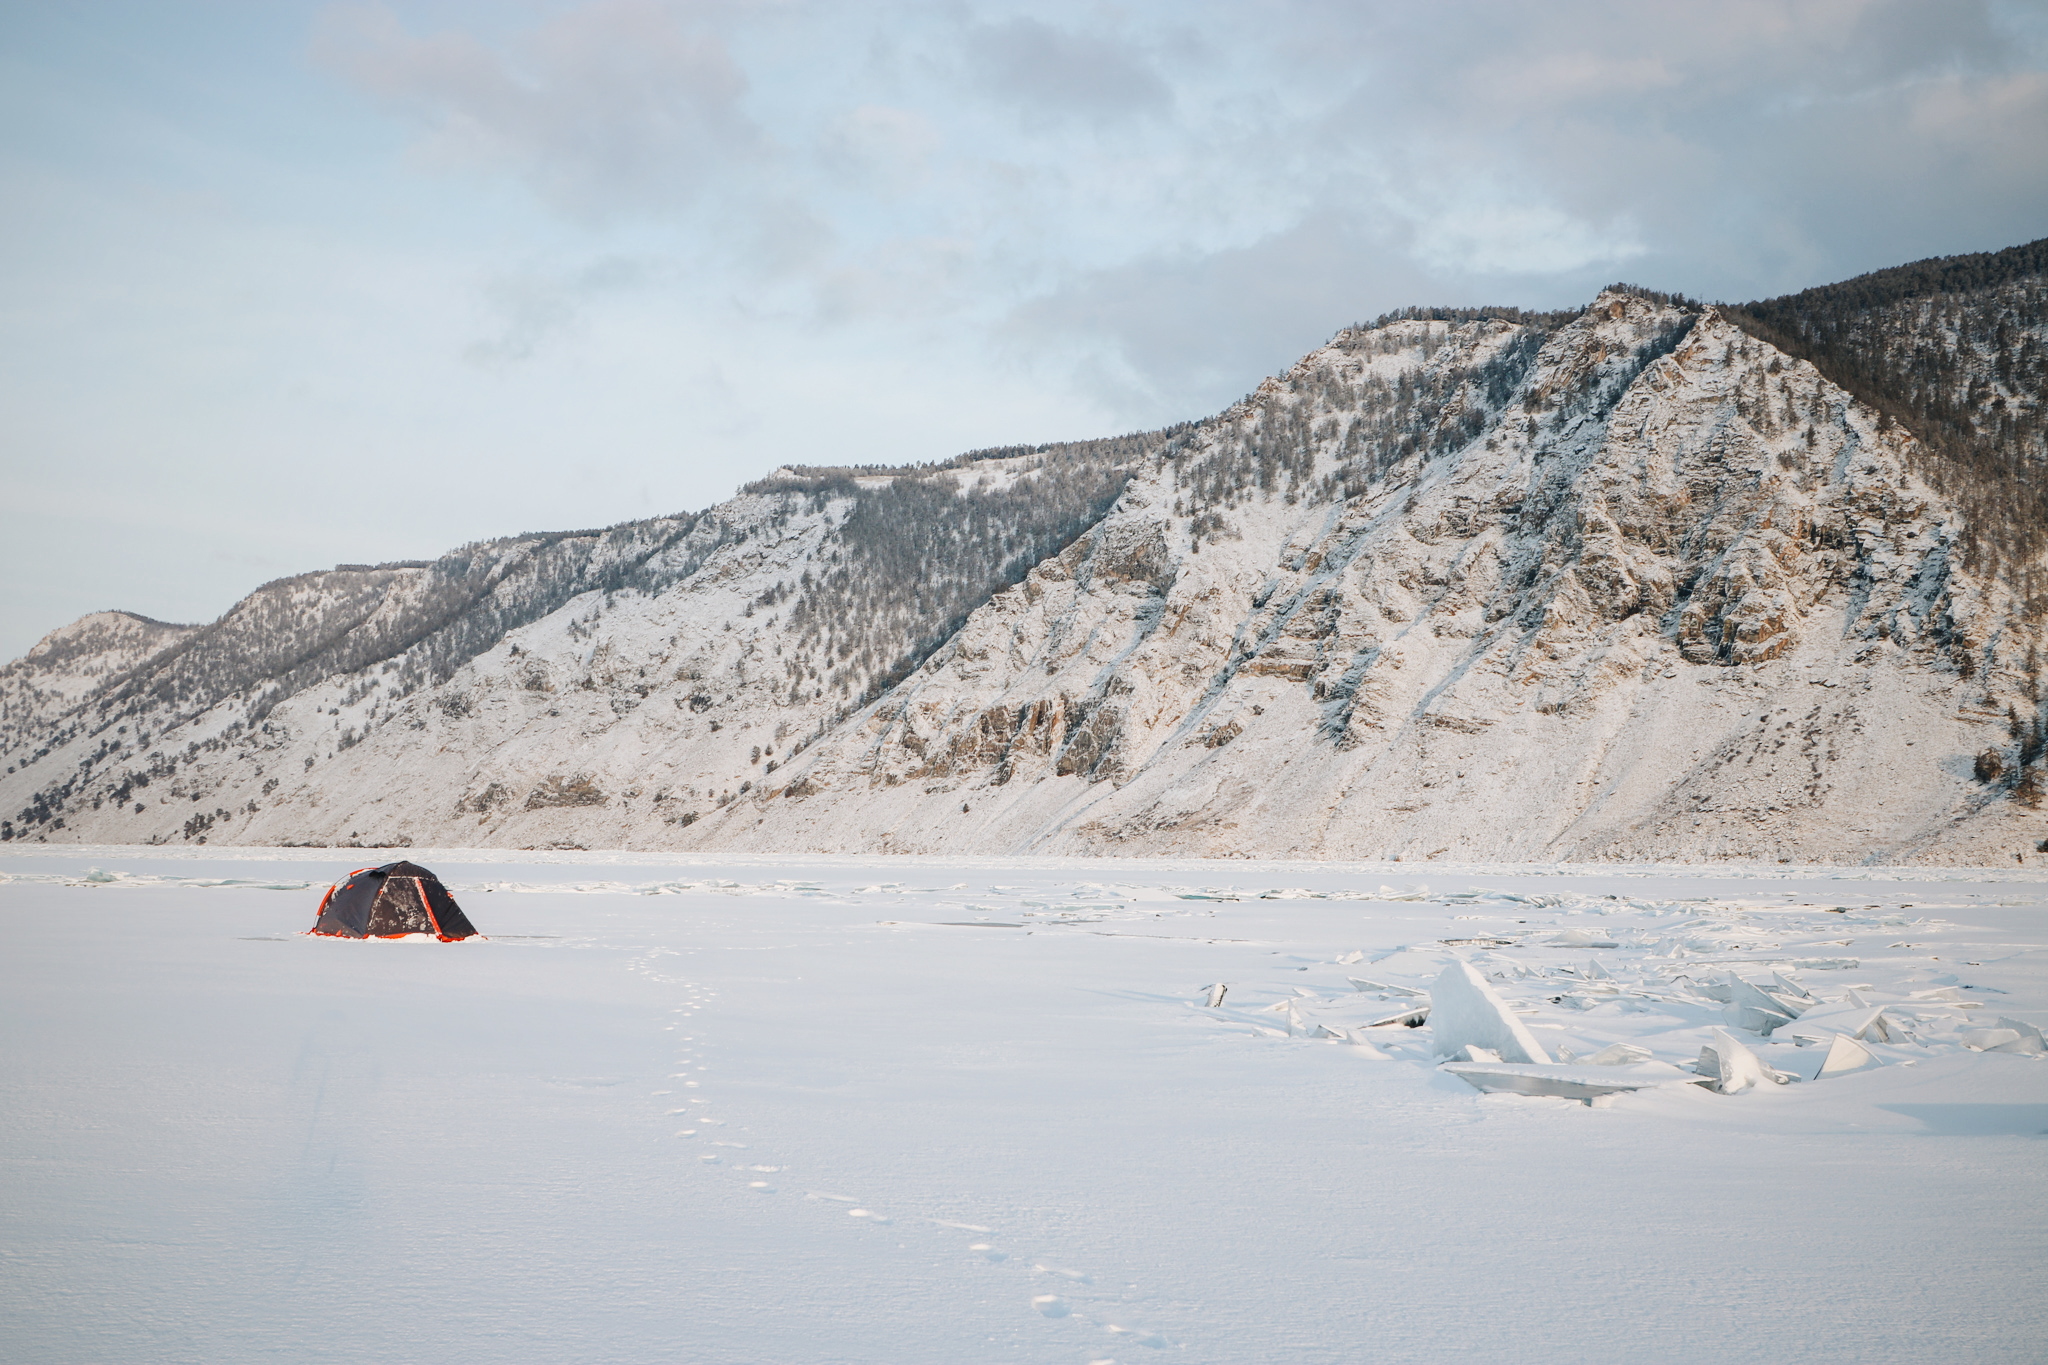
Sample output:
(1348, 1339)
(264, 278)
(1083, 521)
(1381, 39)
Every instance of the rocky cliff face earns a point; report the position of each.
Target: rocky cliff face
(1678, 597)
(1630, 583)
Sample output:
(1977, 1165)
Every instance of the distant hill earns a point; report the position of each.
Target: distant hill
(1651, 579)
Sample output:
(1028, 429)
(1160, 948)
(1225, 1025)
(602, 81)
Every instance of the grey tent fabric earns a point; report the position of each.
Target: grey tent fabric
(389, 902)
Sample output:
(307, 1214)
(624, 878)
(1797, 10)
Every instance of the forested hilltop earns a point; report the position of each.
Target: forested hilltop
(1652, 578)
(1951, 349)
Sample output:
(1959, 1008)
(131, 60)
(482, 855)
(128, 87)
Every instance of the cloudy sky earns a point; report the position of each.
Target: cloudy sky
(286, 284)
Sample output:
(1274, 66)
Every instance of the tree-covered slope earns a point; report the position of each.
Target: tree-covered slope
(1956, 350)
(1645, 579)
(324, 662)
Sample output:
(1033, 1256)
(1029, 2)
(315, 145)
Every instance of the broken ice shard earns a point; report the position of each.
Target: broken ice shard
(1865, 1023)
(1786, 989)
(1464, 1010)
(1359, 983)
(1989, 1039)
(1749, 1008)
(1568, 1082)
(1731, 1068)
(2029, 1041)
(1846, 1054)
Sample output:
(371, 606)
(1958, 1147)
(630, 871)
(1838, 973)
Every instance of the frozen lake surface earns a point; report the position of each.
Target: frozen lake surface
(934, 1110)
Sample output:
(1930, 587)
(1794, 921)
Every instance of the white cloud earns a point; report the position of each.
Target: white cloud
(615, 107)
(1480, 228)
(876, 146)
(1054, 73)
(526, 309)
(673, 243)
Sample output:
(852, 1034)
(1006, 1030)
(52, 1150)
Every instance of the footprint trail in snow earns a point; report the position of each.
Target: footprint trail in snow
(1071, 1302)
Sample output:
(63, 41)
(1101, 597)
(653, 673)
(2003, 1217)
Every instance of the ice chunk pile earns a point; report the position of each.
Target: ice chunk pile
(1730, 997)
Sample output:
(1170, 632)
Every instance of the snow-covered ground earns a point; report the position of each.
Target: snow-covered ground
(938, 1110)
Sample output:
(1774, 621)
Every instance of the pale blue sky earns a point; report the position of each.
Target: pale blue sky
(286, 284)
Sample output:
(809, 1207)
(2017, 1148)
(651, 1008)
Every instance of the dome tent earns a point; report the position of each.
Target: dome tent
(391, 901)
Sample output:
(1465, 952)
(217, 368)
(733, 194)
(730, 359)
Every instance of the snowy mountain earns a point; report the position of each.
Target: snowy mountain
(1649, 580)
(67, 665)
